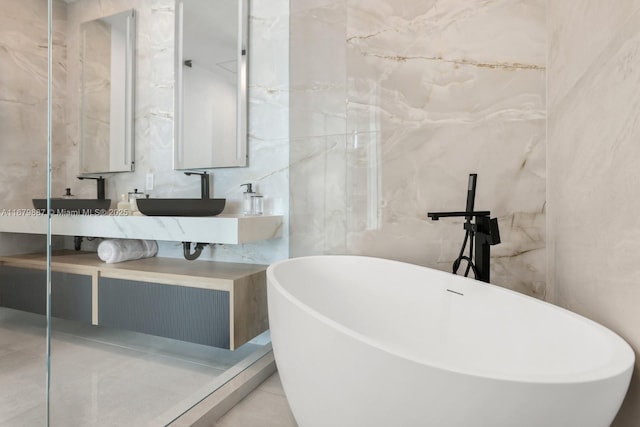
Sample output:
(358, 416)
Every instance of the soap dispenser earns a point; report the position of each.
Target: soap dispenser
(123, 206)
(247, 201)
(133, 200)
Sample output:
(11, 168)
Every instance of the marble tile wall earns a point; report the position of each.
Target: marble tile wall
(23, 113)
(593, 174)
(23, 108)
(268, 118)
(393, 104)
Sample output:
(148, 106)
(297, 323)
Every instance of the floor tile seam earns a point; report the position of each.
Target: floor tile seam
(146, 352)
(275, 393)
(26, 351)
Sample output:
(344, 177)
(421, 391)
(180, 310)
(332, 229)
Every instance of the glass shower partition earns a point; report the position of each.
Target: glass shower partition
(24, 65)
(139, 342)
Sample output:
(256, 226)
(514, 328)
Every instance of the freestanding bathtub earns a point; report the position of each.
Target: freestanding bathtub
(366, 342)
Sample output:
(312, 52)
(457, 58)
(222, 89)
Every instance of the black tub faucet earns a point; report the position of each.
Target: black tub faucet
(101, 185)
(484, 233)
(204, 183)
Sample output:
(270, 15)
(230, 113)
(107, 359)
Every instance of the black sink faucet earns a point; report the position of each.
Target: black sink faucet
(204, 183)
(101, 185)
(484, 232)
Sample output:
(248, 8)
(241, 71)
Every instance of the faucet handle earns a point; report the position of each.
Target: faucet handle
(494, 232)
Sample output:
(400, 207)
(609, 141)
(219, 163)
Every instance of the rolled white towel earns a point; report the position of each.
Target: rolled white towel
(118, 250)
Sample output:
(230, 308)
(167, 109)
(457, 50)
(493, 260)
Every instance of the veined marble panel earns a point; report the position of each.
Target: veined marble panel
(458, 31)
(446, 65)
(318, 68)
(23, 105)
(319, 195)
(570, 62)
(435, 91)
(593, 134)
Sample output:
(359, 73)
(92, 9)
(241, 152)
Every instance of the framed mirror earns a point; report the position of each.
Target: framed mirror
(107, 55)
(211, 84)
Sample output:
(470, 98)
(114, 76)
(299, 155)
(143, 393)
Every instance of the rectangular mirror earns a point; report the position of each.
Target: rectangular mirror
(107, 52)
(211, 84)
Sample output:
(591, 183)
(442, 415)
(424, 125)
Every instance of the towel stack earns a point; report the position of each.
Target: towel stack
(118, 250)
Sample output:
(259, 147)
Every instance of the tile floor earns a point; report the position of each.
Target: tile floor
(266, 406)
(103, 377)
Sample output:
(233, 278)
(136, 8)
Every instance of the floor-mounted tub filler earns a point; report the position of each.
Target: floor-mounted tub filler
(365, 342)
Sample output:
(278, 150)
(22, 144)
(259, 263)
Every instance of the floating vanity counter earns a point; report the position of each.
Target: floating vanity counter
(219, 304)
(228, 229)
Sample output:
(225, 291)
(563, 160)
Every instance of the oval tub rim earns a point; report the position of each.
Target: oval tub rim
(621, 349)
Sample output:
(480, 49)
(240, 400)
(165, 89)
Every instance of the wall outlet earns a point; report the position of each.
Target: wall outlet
(148, 185)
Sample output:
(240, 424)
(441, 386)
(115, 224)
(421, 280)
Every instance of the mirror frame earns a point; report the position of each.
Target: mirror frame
(129, 102)
(241, 159)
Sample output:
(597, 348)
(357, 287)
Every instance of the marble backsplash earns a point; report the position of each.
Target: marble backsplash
(433, 92)
(268, 118)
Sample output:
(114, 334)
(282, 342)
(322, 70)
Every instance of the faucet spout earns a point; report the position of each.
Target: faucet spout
(100, 181)
(204, 183)
(437, 215)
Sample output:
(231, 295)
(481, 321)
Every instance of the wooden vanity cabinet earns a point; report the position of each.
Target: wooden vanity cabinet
(207, 302)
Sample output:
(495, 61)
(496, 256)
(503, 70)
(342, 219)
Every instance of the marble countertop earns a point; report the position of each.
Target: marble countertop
(228, 229)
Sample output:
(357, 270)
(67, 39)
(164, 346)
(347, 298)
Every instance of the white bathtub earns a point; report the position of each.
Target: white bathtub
(366, 342)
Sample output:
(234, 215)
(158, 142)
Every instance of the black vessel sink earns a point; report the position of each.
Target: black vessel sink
(74, 206)
(181, 207)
